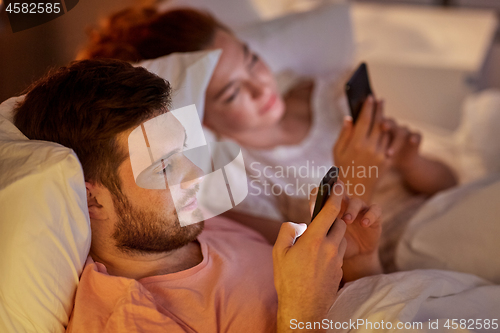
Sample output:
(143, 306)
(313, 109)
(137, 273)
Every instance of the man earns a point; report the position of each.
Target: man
(147, 273)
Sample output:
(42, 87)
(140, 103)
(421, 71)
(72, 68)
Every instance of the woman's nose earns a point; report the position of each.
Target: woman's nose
(256, 88)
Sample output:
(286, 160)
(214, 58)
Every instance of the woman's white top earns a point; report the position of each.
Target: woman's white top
(280, 179)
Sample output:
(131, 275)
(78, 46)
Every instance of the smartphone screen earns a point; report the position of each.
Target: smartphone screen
(324, 189)
(357, 90)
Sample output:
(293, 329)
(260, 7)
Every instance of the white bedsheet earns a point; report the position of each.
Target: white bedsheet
(416, 297)
(456, 230)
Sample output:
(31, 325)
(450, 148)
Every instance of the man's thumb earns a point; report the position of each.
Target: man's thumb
(289, 232)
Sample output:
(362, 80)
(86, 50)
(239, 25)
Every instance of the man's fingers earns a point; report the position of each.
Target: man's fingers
(289, 231)
(312, 199)
(337, 232)
(342, 247)
(321, 224)
(372, 215)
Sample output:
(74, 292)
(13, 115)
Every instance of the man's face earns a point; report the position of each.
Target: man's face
(147, 220)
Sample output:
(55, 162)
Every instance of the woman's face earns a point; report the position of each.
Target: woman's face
(242, 95)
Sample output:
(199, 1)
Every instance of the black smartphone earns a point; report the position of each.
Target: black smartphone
(357, 90)
(324, 189)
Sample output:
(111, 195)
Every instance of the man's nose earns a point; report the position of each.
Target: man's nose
(192, 175)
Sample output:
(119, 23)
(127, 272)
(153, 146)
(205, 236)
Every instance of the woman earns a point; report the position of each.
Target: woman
(280, 134)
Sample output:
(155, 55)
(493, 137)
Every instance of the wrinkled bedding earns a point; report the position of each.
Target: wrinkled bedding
(472, 151)
(416, 296)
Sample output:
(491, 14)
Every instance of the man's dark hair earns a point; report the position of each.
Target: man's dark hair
(85, 105)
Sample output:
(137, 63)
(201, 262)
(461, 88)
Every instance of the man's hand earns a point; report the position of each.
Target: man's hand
(307, 271)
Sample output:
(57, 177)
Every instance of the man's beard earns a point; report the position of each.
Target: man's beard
(147, 231)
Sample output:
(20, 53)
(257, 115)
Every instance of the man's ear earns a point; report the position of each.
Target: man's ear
(96, 210)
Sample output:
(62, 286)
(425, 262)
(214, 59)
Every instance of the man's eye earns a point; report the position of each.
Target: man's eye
(164, 170)
(165, 166)
(233, 96)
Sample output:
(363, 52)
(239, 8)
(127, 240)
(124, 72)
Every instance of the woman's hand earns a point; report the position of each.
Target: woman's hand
(362, 235)
(363, 225)
(404, 144)
(421, 174)
(361, 150)
(363, 228)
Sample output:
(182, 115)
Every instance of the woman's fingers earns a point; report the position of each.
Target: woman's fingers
(353, 208)
(372, 215)
(363, 124)
(345, 134)
(399, 138)
(415, 139)
(384, 143)
(389, 124)
(376, 126)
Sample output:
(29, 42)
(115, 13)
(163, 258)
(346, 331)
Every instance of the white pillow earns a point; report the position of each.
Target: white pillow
(234, 13)
(309, 43)
(478, 136)
(188, 74)
(456, 230)
(44, 230)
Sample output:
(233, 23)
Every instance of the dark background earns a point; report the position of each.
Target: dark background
(28, 54)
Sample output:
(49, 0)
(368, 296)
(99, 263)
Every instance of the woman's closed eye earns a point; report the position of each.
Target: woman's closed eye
(254, 60)
(233, 96)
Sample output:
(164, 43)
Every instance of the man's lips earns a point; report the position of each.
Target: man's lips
(269, 104)
(191, 204)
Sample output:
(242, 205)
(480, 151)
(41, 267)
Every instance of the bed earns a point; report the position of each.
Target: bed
(44, 242)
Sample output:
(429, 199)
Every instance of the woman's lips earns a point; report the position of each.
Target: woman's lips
(269, 104)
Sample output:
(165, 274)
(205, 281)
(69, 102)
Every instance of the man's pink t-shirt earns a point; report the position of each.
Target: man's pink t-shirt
(231, 290)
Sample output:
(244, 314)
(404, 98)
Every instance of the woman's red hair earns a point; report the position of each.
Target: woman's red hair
(136, 34)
